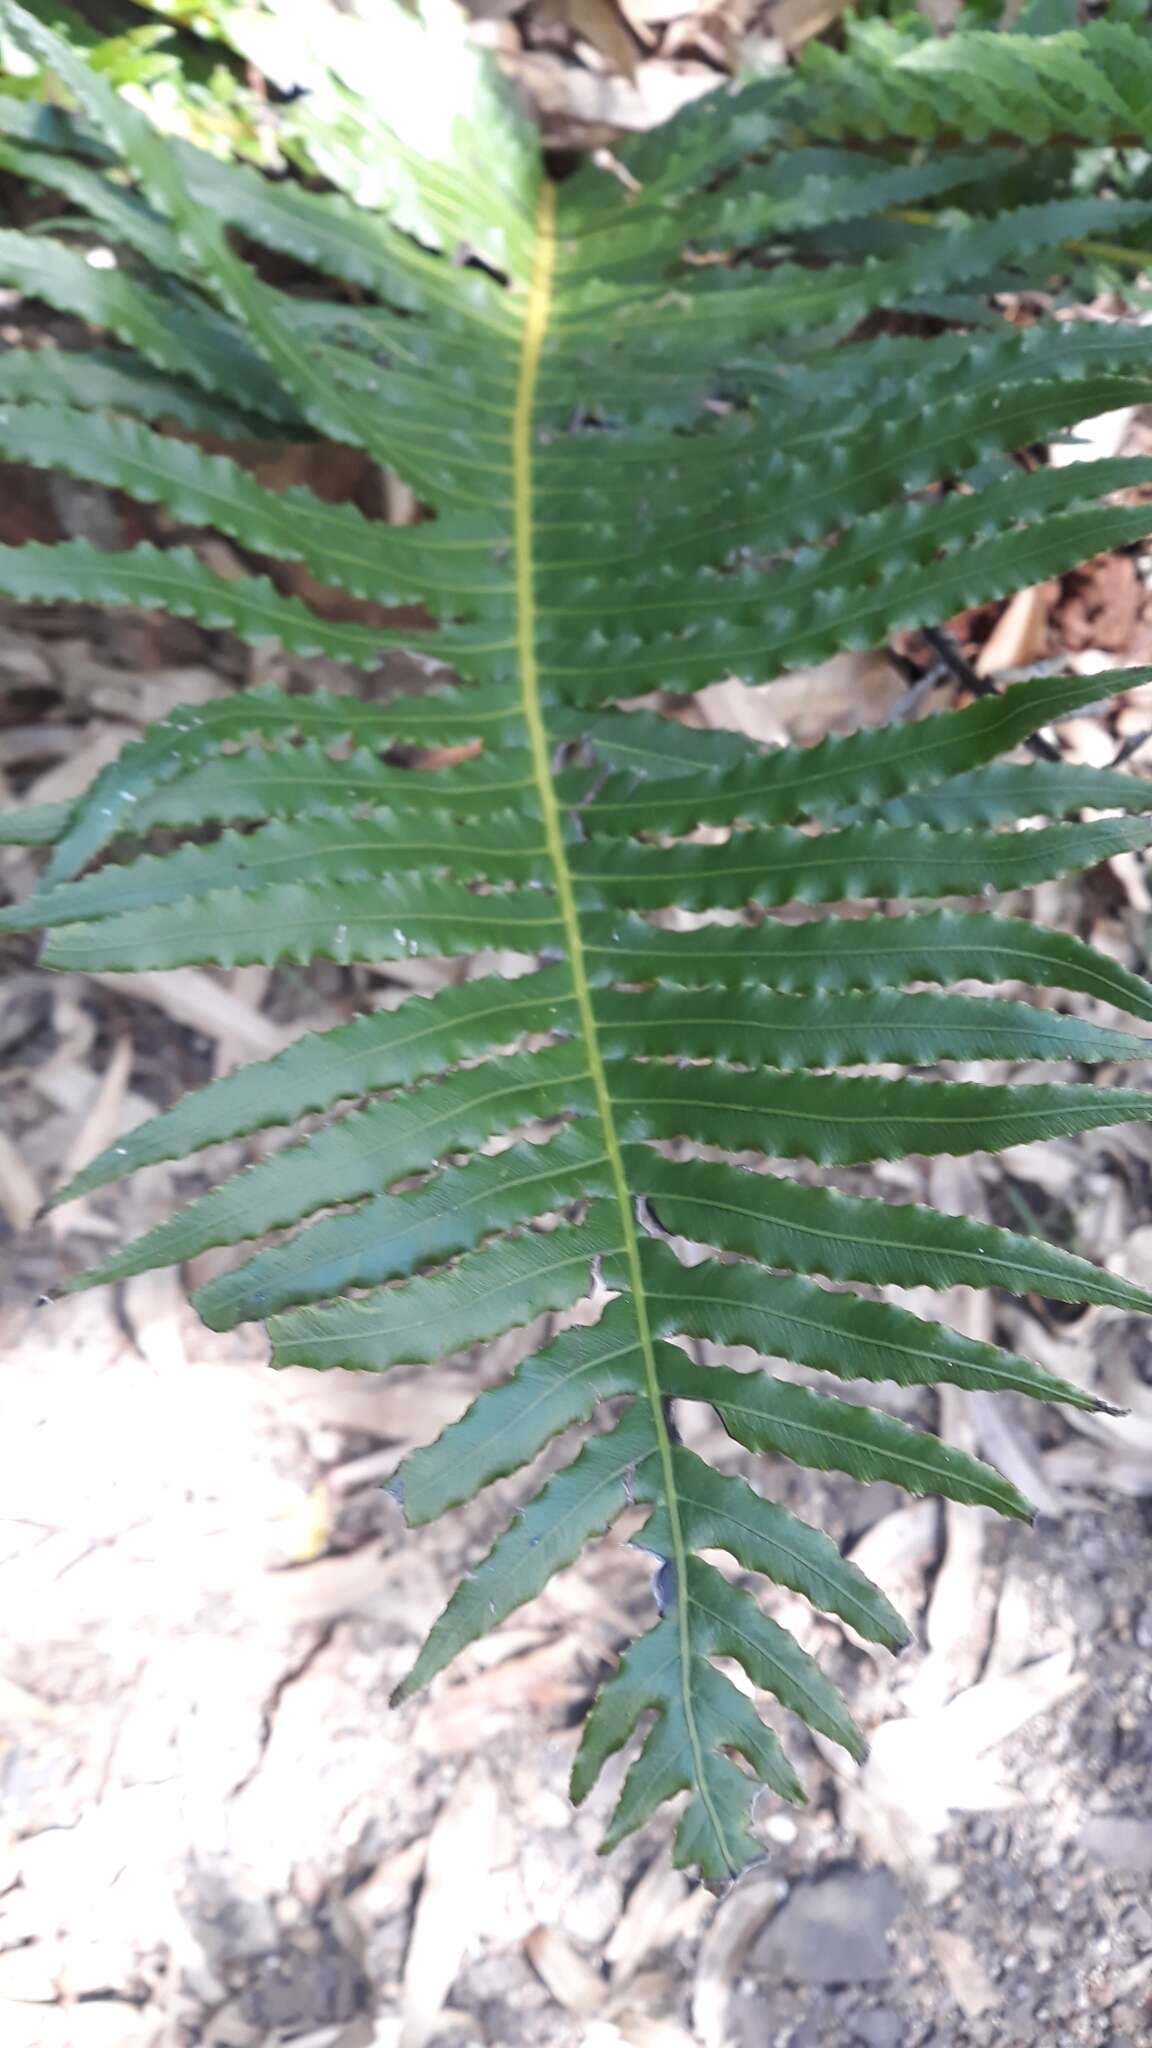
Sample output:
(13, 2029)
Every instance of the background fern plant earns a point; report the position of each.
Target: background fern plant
(646, 470)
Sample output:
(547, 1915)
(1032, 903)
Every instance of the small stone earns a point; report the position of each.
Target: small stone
(833, 1931)
(292, 1989)
(1044, 1942)
(780, 1827)
(880, 2029)
(941, 1881)
(811, 2033)
(1120, 1841)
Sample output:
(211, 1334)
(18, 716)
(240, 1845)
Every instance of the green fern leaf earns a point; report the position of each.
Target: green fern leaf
(643, 472)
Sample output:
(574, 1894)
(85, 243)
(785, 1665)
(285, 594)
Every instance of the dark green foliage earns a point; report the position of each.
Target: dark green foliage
(645, 471)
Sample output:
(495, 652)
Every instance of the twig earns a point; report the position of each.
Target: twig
(945, 648)
(1130, 746)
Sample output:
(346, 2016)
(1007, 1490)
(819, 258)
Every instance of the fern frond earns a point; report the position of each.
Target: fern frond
(185, 338)
(643, 472)
(176, 581)
(117, 381)
(1087, 85)
(336, 544)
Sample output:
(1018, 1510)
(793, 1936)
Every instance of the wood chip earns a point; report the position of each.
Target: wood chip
(926, 1767)
(899, 1551)
(644, 1924)
(964, 1973)
(249, 986)
(71, 777)
(141, 696)
(408, 1589)
(460, 1856)
(193, 998)
(733, 1928)
(1003, 1438)
(637, 2030)
(1091, 1466)
(542, 1683)
(1094, 440)
(154, 1310)
(389, 1886)
(20, 1196)
(570, 1978)
(961, 1611)
(103, 1120)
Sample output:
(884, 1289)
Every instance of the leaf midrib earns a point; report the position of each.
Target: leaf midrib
(537, 312)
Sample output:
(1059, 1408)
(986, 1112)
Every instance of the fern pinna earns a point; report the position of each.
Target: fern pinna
(649, 461)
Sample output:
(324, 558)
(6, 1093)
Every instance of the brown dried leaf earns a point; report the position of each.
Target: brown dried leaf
(1101, 605)
(840, 696)
(582, 108)
(1020, 634)
(795, 22)
(602, 23)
